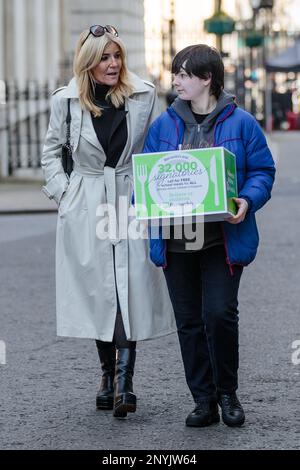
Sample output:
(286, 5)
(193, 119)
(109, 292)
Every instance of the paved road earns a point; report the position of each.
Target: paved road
(48, 385)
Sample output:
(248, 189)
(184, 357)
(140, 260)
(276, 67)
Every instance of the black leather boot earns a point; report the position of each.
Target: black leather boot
(124, 398)
(232, 411)
(105, 394)
(205, 414)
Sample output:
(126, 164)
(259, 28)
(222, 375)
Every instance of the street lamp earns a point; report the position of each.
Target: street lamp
(257, 4)
(255, 39)
(219, 24)
(168, 38)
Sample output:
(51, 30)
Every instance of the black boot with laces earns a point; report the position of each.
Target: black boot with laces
(205, 414)
(232, 411)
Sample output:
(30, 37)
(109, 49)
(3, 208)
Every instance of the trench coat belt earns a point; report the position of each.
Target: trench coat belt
(110, 174)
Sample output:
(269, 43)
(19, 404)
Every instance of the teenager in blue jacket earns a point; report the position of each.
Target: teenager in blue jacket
(203, 282)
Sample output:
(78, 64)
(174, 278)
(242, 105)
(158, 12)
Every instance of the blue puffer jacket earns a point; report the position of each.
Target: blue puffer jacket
(238, 131)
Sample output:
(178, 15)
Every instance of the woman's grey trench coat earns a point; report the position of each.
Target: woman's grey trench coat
(90, 269)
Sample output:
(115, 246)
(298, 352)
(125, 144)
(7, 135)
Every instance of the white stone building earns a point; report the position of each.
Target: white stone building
(37, 37)
(30, 45)
(126, 15)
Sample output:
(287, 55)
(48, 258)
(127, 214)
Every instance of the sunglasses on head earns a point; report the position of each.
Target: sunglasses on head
(97, 31)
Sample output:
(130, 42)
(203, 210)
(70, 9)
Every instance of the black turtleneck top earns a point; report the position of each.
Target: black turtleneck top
(110, 127)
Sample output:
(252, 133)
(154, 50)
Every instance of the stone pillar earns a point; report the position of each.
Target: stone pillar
(2, 40)
(20, 43)
(53, 47)
(3, 76)
(40, 43)
(66, 31)
(132, 30)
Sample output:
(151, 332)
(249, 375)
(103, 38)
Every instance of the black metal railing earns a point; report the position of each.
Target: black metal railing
(25, 117)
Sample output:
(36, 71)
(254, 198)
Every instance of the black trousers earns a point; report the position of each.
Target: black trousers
(204, 295)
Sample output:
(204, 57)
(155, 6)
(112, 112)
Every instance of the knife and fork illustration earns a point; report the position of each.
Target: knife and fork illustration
(142, 175)
(214, 179)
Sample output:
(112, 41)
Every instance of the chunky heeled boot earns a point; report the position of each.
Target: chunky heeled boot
(105, 394)
(124, 398)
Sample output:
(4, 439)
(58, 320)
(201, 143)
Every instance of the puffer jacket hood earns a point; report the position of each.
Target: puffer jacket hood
(200, 135)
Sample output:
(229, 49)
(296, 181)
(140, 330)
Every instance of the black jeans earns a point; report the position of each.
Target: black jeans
(204, 295)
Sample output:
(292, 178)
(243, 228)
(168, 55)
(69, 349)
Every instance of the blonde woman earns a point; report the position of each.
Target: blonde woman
(106, 288)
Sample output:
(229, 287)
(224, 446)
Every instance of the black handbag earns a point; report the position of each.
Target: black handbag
(66, 150)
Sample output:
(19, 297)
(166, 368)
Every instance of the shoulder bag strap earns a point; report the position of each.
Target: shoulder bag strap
(68, 122)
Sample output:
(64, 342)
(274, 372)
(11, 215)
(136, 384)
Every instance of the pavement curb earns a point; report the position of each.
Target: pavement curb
(27, 211)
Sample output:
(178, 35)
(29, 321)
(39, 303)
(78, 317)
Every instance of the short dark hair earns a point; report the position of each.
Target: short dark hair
(202, 61)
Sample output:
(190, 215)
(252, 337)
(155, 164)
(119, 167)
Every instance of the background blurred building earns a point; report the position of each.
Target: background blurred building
(126, 15)
(31, 46)
(188, 17)
(37, 40)
(174, 24)
(38, 36)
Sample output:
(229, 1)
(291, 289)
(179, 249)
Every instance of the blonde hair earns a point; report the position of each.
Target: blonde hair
(88, 53)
